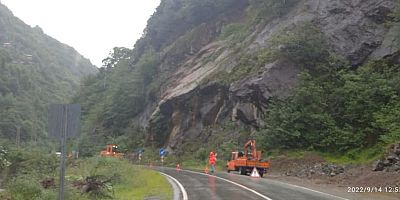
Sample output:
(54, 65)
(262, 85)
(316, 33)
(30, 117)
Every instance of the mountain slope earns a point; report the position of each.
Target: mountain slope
(214, 82)
(35, 70)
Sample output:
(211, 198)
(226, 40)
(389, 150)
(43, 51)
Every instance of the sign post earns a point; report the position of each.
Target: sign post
(64, 122)
(162, 153)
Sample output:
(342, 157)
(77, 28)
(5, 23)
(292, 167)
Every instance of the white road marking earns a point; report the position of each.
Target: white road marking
(304, 188)
(237, 184)
(184, 193)
(277, 182)
(177, 192)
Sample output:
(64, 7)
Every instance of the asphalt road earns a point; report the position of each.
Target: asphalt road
(200, 186)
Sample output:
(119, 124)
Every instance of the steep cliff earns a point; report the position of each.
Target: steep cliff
(217, 65)
(193, 99)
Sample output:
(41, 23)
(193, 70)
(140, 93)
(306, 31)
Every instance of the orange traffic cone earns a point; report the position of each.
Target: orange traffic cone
(255, 173)
(178, 167)
(206, 170)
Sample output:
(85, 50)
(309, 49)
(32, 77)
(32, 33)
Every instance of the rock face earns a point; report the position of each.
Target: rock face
(189, 115)
(355, 30)
(251, 94)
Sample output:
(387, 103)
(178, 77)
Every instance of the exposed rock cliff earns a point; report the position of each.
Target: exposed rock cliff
(190, 103)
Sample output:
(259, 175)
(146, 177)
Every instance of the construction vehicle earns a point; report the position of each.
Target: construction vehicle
(111, 151)
(246, 161)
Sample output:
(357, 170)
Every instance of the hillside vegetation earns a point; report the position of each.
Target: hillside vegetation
(335, 108)
(35, 70)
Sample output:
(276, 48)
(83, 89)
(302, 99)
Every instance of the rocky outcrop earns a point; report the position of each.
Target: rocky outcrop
(189, 115)
(251, 94)
(391, 162)
(355, 30)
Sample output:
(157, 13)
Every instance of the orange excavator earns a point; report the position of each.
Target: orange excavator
(246, 161)
(111, 151)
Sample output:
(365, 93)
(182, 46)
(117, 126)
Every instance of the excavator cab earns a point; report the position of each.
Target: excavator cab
(115, 149)
(236, 154)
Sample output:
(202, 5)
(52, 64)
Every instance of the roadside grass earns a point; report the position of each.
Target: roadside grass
(287, 153)
(142, 183)
(130, 182)
(357, 156)
(123, 181)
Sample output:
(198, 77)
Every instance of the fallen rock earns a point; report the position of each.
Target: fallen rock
(391, 162)
(332, 169)
(393, 158)
(378, 166)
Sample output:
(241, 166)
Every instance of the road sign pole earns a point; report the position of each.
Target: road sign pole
(64, 122)
(62, 159)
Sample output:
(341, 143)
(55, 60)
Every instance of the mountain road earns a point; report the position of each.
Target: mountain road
(200, 186)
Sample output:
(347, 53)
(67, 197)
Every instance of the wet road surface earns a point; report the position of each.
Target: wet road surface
(200, 186)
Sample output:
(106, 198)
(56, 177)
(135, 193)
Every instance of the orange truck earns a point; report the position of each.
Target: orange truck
(111, 151)
(246, 161)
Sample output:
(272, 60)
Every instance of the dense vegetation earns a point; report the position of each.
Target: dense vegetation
(335, 108)
(35, 70)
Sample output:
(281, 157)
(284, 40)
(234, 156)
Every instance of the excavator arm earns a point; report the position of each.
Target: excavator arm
(252, 144)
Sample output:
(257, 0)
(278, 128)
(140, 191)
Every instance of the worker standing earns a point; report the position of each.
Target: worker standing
(212, 159)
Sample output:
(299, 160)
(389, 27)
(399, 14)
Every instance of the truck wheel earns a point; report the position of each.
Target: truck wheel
(229, 171)
(242, 171)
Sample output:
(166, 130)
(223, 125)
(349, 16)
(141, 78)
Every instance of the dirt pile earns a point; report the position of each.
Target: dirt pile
(316, 169)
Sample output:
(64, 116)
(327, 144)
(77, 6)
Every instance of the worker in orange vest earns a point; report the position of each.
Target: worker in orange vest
(212, 159)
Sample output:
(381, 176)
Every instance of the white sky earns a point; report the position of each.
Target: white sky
(92, 27)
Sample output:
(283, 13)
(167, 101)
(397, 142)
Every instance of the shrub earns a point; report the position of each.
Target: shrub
(24, 187)
(305, 45)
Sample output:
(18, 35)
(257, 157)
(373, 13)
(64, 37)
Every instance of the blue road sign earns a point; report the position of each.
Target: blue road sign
(163, 152)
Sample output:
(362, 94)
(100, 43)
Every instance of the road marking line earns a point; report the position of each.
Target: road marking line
(184, 193)
(304, 188)
(177, 192)
(229, 181)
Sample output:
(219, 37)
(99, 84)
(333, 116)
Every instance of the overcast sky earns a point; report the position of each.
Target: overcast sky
(92, 27)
